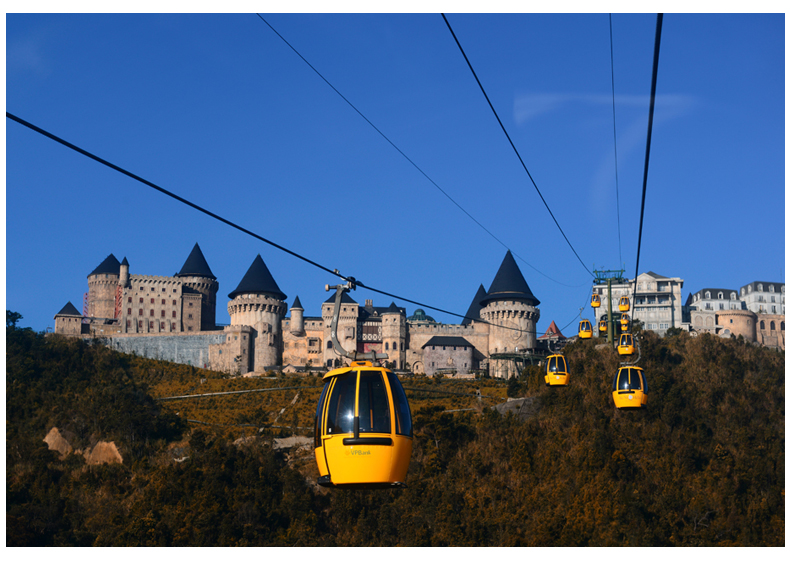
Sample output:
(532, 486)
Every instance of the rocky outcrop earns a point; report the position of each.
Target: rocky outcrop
(103, 453)
(56, 441)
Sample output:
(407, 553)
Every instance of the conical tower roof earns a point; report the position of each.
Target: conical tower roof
(297, 304)
(196, 265)
(68, 310)
(509, 284)
(109, 266)
(552, 333)
(258, 280)
(473, 314)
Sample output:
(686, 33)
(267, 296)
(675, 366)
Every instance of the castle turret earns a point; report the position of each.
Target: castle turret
(511, 309)
(393, 334)
(200, 289)
(123, 279)
(103, 288)
(297, 318)
(258, 302)
(68, 321)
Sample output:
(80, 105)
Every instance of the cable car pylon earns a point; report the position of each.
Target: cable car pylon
(609, 277)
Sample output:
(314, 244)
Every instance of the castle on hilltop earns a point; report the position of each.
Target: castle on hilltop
(174, 319)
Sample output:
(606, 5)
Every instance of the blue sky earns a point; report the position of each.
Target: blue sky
(217, 109)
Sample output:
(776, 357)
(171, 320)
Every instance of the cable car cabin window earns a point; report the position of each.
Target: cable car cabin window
(630, 379)
(401, 404)
(374, 408)
(557, 365)
(319, 413)
(340, 418)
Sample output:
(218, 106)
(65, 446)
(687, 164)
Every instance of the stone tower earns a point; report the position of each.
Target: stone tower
(123, 279)
(297, 318)
(197, 279)
(258, 302)
(102, 289)
(393, 335)
(739, 323)
(511, 309)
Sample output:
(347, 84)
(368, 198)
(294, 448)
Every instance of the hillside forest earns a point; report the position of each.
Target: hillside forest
(702, 465)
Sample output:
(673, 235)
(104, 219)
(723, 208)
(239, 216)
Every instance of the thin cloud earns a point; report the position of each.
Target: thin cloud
(530, 106)
(27, 54)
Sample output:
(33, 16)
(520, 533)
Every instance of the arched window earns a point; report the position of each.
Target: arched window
(394, 345)
(386, 345)
(782, 326)
(760, 288)
(773, 325)
(721, 295)
(762, 324)
(707, 295)
(732, 296)
(329, 344)
(771, 288)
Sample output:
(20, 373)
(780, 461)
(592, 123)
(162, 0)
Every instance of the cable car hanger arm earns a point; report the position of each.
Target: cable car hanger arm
(336, 345)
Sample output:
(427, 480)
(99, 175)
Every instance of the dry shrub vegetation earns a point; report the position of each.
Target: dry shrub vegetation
(702, 465)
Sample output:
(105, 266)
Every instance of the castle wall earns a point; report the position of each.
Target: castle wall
(770, 329)
(68, 325)
(476, 334)
(221, 350)
(443, 357)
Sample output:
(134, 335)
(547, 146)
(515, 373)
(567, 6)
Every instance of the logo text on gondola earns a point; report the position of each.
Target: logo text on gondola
(359, 452)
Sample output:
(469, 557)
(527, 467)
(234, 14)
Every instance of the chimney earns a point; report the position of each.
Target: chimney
(368, 303)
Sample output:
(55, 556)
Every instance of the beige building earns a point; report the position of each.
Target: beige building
(756, 314)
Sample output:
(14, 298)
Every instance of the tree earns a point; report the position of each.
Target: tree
(512, 386)
(11, 318)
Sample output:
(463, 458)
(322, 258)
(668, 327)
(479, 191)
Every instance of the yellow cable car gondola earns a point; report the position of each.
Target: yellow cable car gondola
(363, 429)
(602, 326)
(585, 329)
(625, 321)
(629, 389)
(363, 433)
(556, 370)
(596, 300)
(626, 345)
(625, 305)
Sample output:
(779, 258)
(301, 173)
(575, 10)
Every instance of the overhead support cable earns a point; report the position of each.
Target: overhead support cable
(513, 145)
(335, 272)
(656, 49)
(409, 160)
(614, 127)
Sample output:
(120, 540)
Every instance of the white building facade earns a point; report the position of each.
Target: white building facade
(656, 302)
(763, 297)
